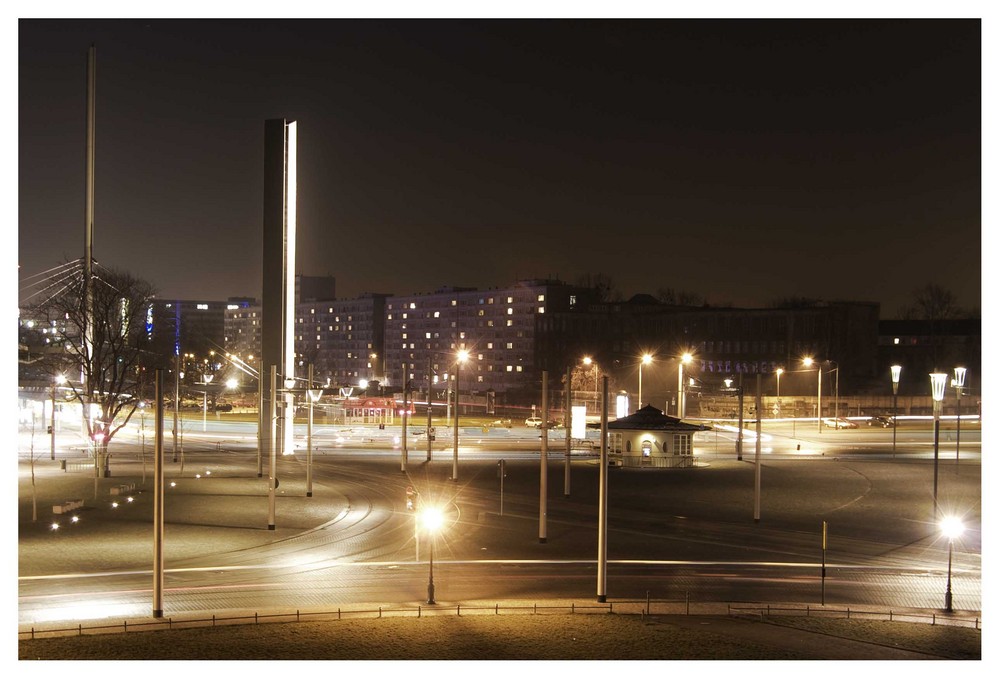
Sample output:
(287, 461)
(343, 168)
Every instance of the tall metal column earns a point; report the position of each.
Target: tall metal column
(567, 425)
(158, 501)
(406, 413)
(272, 450)
(429, 407)
(602, 504)
(544, 466)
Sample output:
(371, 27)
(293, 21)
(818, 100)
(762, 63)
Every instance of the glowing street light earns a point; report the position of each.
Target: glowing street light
(951, 528)
(432, 518)
(958, 383)
(894, 370)
(684, 360)
(807, 362)
(646, 360)
(777, 376)
(461, 358)
(938, 382)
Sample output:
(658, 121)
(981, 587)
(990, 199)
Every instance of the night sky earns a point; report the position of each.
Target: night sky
(743, 160)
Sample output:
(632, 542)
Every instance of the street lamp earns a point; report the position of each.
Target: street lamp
(432, 518)
(951, 528)
(684, 360)
(958, 383)
(777, 375)
(204, 406)
(895, 370)
(646, 360)
(938, 381)
(807, 362)
(461, 357)
(60, 380)
(313, 396)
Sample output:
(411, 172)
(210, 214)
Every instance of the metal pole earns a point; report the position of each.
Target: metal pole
(947, 594)
(894, 417)
(822, 573)
(309, 435)
(544, 462)
(958, 420)
(819, 399)
(602, 505)
(454, 464)
(756, 473)
(680, 387)
(503, 473)
(430, 576)
(158, 501)
(739, 431)
(177, 396)
(836, 395)
(406, 412)
(260, 413)
(429, 407)
(640, 385)
(204, 410)
(567, 425)
(937, 436)
(272, 452)
(52, 426)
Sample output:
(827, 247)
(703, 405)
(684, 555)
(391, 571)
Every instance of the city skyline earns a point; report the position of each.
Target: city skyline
(783, 159)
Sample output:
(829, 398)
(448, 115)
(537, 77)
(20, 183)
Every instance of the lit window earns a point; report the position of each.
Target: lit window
(489, 345)
(437, 314)
(510, 368)
(519, 369)
(413, 305)
(202, 306)
(895, 340)
(510, 311)
(541, 310)
(541, 298)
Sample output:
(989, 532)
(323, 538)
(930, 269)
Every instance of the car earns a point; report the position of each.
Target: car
(839, 423)
(880, 421)
(533, 422)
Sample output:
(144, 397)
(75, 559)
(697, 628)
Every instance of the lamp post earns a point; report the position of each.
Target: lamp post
(894, 370)
(204, 404)
(646, 360)
(459, 360)
(958, 383)
(777, 376)
(951, 528)
(836, 393)
(684, 360)
(807, 362)
(432, 520)
(938, 381)
(60, 380)
(314, 395)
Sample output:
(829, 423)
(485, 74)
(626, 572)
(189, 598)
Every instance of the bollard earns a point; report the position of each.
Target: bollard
(296, 615)
(807, 610)
(81, 629)
(933, 619)
(647, 602)
(687, 603)
(418, 611)
(213, 619)
(890, 616)
(496, 609)
(848, 612)
(338, 613)
(32, 632)
(255, 617)
(125, 625)
(534, 609)
(572, 608)
(379, 611)
(458, 610)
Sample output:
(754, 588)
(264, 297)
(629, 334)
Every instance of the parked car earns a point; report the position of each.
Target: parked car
(880, 421)
(839, 423)
(533, 422)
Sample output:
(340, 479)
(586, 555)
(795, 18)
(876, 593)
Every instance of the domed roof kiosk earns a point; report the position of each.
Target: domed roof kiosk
(650, 439)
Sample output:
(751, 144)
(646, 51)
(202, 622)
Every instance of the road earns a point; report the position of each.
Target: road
(673, 533)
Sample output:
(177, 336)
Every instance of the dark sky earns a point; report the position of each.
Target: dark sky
(744, 160)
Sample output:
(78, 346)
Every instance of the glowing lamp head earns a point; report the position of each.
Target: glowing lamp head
(463, 355)
(60, 379)
(959, 377)
(363, 384)
(951, 527)
(432, 518)
(780, 372)
(587, 360)
(289, 382)
(807, 361)
(938, 382)
(232, 383)
(647, 359)
(686, 357)
(895, 370)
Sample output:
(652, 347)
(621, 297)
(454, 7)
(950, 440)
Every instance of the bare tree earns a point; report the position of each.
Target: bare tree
(933, 302)
(679, 297)
(603, 286)
(106, 366)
